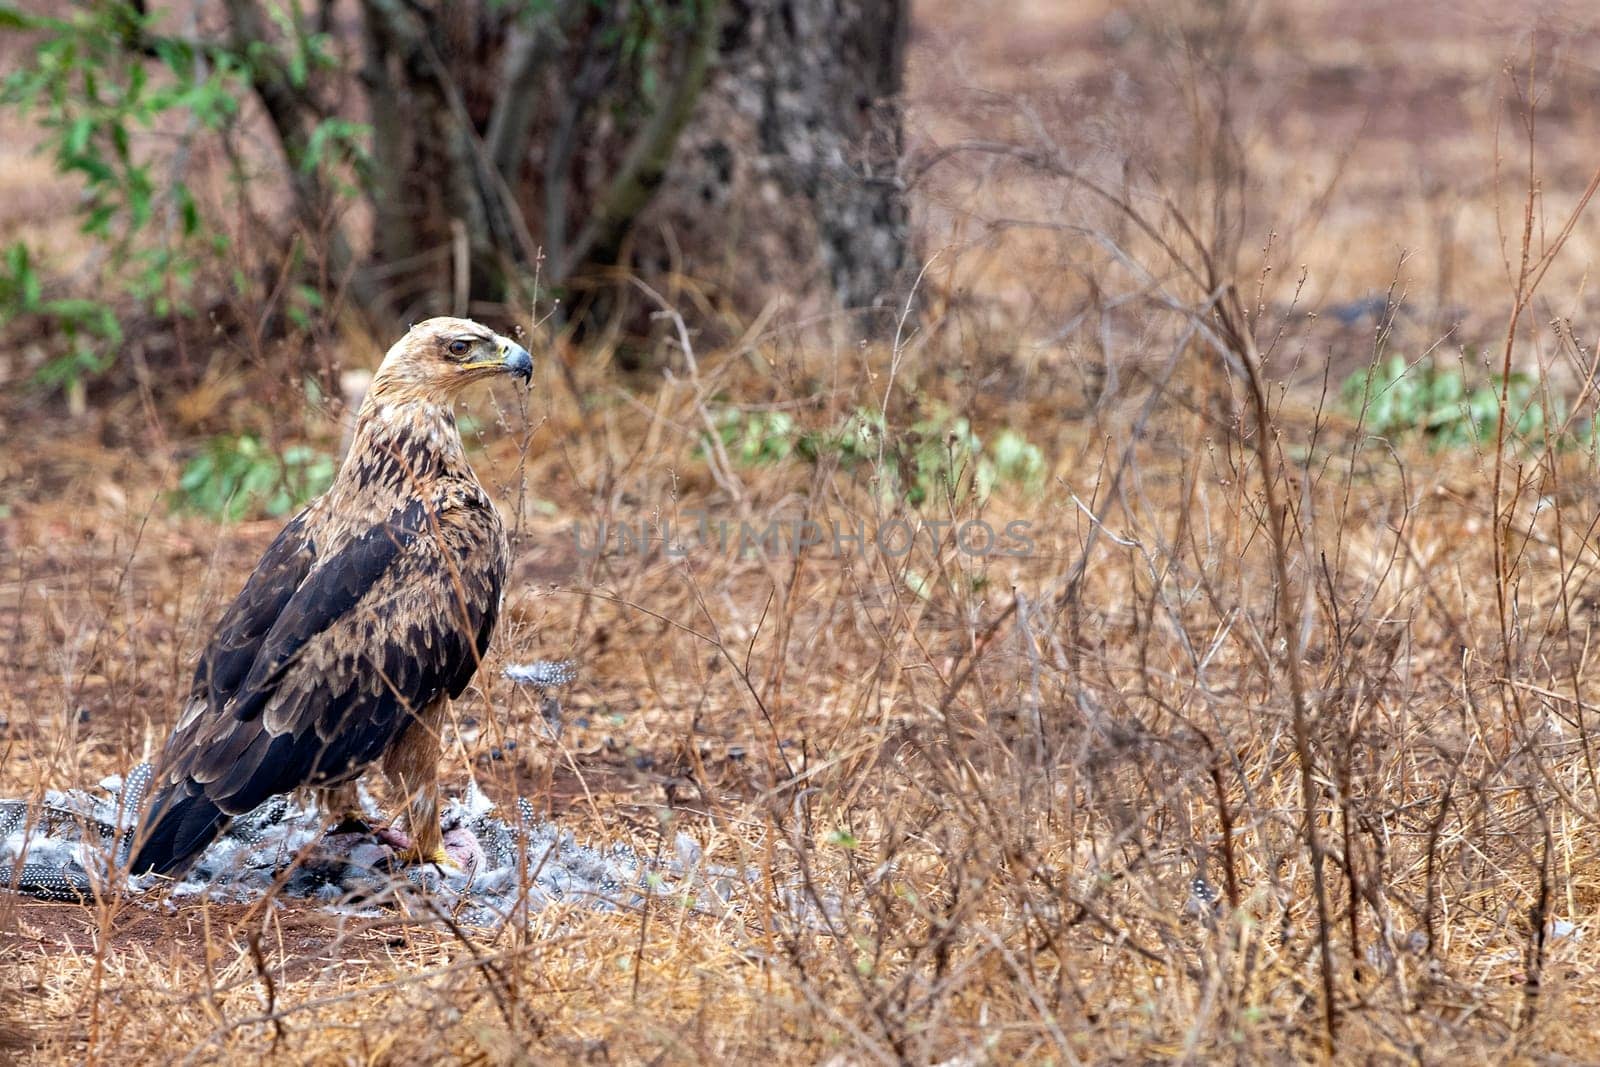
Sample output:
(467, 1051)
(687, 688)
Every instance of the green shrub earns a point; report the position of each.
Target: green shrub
(89, 91)
(755, 438)
(95, 79)
(90, 329)
(940, 458)
(1396, 398)
(235, 477)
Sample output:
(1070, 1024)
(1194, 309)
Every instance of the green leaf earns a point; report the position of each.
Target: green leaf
(238, 476)
(92, 166)
(13, 19)
(76, 138)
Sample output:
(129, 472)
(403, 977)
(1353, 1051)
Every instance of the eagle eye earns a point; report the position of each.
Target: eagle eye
(459, 347)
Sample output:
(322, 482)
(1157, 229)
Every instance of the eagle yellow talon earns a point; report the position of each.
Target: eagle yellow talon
(415, 857)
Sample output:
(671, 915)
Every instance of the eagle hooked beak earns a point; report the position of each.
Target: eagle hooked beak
(513, 358)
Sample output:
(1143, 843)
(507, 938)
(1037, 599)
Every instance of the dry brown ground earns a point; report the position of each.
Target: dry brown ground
(999, 778)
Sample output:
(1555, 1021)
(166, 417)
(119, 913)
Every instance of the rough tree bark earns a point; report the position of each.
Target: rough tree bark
(786, 185)
(829, 76)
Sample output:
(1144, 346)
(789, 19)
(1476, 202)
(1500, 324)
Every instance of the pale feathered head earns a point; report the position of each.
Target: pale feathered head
(438, 358)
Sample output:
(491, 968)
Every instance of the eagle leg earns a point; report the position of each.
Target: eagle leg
(412, 767)
(341, 808)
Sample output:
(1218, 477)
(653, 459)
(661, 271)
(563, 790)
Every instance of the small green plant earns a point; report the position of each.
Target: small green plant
(90, 329)
(938, 458)
(755, 438)
(1398, 398)
(233, 477)
(1016, 459)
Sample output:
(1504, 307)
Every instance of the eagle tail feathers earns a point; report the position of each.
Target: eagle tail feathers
(178, 827)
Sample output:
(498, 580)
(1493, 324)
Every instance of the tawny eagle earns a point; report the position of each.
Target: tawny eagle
(368, 613)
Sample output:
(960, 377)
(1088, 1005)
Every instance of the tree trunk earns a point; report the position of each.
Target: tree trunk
(831, 129)
(786, 183)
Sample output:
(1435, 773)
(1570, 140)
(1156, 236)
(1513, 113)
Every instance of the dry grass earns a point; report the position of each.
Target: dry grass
(1347, 681)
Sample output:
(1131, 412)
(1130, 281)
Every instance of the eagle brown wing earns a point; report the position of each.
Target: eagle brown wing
(363, 641)
(237, 639)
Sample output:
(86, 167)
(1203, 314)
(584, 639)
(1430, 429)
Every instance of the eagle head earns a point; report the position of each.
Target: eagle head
(438, 358)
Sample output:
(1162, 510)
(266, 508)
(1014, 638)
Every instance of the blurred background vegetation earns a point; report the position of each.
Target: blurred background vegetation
(271, 173)
(411, 159)
(216, 205)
